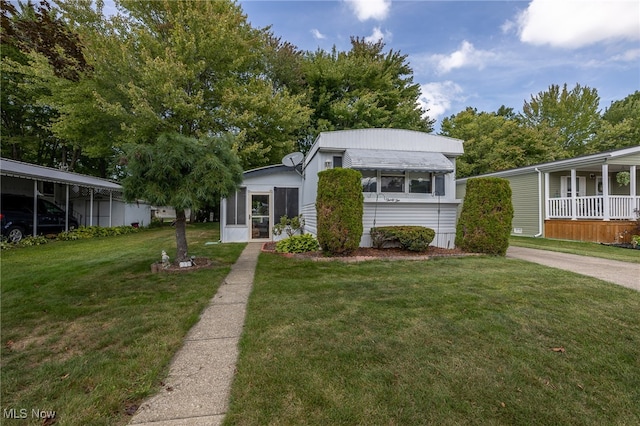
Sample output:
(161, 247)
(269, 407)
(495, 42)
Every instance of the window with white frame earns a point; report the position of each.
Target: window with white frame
(401, 182)
(419, 183)
(565, 186)
(369, 181)
(391, 182)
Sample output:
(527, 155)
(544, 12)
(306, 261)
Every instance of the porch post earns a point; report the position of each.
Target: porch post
(110, 208)
(633, 191)
(91, 207)
(546, 195)
(35, 208)
(605, 192)
(574, 196)
(66, 210)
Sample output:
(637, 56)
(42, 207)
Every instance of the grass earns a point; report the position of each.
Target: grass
(578, 247)
(447, 342)
(88, 331)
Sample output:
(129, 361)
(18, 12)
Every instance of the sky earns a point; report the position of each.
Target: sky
(480, 54)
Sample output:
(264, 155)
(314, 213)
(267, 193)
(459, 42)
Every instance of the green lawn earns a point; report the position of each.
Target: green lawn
(87, 330)
(444, 342)
(578, 247)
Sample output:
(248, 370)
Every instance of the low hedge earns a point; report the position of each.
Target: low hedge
(413, 238)
(297, 244)
(95, 231)
(80, 233)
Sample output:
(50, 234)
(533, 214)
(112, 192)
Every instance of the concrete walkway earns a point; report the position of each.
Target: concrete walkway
(196, 392)
(622, 273)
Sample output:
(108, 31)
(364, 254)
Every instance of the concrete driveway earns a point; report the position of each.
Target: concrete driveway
(622, 273)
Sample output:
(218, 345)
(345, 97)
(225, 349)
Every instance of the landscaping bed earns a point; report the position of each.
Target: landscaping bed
(370, 253)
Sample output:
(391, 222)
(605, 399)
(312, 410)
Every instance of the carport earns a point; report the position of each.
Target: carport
(70, 181)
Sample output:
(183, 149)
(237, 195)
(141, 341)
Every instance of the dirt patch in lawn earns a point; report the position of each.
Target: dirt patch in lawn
(198, 263)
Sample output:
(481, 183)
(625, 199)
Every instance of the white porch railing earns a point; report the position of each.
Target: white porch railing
(592, 207)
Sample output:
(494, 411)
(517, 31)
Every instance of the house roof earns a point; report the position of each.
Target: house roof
(385, 139)
(584, 161)
(378, 159)
(48, 174)
(268, 170)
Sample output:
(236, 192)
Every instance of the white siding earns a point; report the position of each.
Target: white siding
(387, 214)
(310, 219)
(418, 214)
(395, 139)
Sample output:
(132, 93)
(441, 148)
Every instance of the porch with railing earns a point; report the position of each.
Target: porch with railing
(594, 207)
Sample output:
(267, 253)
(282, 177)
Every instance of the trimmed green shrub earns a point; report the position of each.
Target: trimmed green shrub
(339, 206)
(484, 225)
(413, 238)
(298, 244)
(289, 225)
(31, 241)
(95, 231)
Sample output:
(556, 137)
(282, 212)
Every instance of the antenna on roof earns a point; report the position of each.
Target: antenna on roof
(293, 160)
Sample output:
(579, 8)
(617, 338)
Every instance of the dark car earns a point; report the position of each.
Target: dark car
(16, 217)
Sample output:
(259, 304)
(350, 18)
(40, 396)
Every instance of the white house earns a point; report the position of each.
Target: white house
(408, 179)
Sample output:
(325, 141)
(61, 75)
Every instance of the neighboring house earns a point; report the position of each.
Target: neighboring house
(90, 200)
(408, 179)
(167, 213)
(598, 210)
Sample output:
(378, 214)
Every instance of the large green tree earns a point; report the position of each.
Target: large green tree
(620, 126)
(195, 68)
(171, 73)
(572, 114)
(35, 34)
(183, 172)
(494, 142)
(365, 87)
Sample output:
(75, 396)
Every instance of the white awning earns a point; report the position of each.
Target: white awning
(411, 161)
(47, 174)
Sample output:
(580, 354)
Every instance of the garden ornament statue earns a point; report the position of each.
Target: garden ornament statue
(165, 259)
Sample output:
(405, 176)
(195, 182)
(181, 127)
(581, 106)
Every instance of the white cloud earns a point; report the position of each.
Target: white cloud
(370, 9)
(437, 97)
(574, 24)
(317, 34)
(465, 56)
(630, 55)
(378, 35)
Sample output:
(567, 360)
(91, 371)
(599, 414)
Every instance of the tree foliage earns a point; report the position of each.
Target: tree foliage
(32, 34)
(365, 87)
(182, 172)
(620, 126)
(573, 115)
(493, 142)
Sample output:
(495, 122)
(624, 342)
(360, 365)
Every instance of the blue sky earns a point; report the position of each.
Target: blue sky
(482, 54)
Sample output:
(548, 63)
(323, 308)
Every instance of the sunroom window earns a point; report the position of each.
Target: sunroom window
(237, 207)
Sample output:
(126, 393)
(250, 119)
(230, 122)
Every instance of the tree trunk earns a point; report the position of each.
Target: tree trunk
(181, 236)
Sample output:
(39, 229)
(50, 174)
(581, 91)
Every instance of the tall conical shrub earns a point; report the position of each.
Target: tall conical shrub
(339, 206)
(484, 225)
